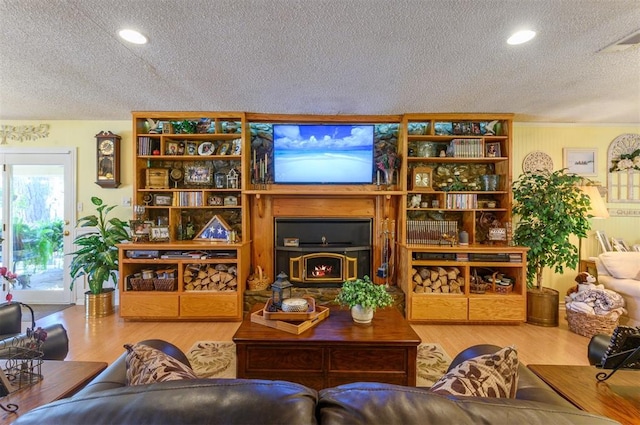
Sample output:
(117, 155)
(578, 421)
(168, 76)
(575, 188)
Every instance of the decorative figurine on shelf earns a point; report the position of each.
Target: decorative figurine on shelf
(415, 201)
(232, 179)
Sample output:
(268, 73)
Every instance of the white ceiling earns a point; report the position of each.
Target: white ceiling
(62, 59)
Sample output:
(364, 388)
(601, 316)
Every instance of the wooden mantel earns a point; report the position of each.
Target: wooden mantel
(325, 202)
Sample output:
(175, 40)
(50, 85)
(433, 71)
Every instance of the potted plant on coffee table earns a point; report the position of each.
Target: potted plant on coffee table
(363, 297)
(97, 257)
(551, 208)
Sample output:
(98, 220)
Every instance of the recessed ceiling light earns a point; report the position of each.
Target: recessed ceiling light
(521, 37)
(133, 36)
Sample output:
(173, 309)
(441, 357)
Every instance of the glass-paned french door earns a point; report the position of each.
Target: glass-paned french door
(37, 208)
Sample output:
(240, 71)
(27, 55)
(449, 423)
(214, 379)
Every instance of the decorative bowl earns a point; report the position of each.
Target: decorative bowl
(295, 305)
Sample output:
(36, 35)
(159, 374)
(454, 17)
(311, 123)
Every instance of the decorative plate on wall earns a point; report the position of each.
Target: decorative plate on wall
(537, 161)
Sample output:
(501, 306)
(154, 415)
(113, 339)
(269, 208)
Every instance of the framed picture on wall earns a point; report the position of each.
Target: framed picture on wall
(581, 161)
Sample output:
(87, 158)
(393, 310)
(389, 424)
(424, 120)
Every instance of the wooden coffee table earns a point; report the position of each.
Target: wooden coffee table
(336, 351)
(617, 398)
(61, 379)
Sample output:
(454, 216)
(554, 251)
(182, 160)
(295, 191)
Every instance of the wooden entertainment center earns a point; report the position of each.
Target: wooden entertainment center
(204, 167)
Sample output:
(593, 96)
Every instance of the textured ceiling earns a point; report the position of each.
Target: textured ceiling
(62, 59)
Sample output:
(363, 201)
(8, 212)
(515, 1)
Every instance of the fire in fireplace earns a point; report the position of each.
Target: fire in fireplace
(322, 267)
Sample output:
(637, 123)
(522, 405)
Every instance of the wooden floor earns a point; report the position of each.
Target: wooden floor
(102, 339)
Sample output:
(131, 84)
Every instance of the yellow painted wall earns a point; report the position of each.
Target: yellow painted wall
(551, 139)
(81, 135)
(527, 137)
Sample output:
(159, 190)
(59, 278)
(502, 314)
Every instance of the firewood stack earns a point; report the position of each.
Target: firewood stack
(210, 277)
(446, 280)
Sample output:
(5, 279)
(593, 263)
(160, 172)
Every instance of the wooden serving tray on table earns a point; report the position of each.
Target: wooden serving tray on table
(295, 327)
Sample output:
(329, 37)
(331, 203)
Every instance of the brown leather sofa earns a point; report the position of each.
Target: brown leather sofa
(55, 347)
(107, 399)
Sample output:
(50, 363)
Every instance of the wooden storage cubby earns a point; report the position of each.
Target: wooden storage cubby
(466, 307)
(181, 303)
(186, 171)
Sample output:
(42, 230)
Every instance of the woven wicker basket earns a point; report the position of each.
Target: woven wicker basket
(139, 284)
(258, 281)
(164, 284)
(590, 324)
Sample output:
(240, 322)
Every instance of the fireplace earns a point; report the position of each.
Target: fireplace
(323, 251)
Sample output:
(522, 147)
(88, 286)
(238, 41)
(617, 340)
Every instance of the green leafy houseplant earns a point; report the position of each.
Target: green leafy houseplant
(551, 207)
(365, 293)
(97, 257)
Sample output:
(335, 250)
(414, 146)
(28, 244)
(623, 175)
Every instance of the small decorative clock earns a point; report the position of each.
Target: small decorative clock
(422, 179)
(108, 159)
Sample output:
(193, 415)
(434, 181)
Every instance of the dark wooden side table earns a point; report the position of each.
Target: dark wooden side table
(336, 351)
(61, 379)
(617, 398)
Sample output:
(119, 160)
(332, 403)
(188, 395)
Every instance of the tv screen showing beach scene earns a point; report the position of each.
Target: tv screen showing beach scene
(339, 154)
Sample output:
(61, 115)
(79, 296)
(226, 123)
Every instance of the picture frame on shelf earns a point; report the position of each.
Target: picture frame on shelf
(198, 175)
(237, 147)
(140, 230)
(171, 148)
(216, 230)
(215, 201)
(605, 245)
(619, 245)
(159, 234)
(492, 150)
(581, 161)
(422, 179)
(460, 128)
(162, 200)
(191, 148)
(206, 148)
(224, 149)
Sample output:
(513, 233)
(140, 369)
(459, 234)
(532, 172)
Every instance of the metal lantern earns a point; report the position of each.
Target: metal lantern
(278, 288)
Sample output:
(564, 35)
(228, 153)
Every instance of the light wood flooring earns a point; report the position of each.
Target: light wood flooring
(102, 339)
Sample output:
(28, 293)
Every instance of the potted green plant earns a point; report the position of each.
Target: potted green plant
(97, 257)
(363, 297)
(551, 208)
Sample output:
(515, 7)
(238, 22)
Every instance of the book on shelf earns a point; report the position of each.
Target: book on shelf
(461, 201)
(430, 232)
(467, 148)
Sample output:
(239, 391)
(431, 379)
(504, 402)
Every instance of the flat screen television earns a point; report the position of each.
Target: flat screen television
(320, 154)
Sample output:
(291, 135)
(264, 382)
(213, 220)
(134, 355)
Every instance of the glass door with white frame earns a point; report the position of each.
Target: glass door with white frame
(38, 194)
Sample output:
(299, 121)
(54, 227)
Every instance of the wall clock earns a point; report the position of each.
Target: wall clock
(422, 179)
(108, 159)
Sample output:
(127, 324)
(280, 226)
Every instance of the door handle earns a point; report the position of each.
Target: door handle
(66, 233)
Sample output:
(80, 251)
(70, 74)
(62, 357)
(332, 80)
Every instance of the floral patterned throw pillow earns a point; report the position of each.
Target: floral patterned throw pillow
(146, 365)
(489, 375)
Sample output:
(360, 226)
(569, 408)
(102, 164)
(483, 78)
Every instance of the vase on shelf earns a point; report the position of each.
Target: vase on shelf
(386, 177)
(361, 314)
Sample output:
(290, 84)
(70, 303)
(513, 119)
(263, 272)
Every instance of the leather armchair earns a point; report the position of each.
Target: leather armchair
(55, 347)
(597, 347)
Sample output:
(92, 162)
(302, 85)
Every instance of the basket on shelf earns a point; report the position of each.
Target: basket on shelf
(258, 281)
(477, 285)
(140, 284)
(164, 284)
(588, 325)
